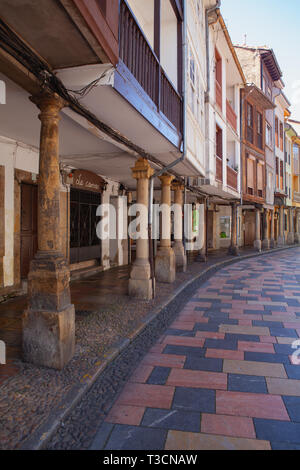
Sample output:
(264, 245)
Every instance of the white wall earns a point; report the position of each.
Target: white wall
(23, 157)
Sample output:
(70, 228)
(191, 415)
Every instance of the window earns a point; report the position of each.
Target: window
(250, 176)
(225, 227)
(219, 92)
(260, 180)
(269, 135)
(250, 123)
(277, 172)
(259, 130)
(277, 132)
(281, 136)
(281, 174)
(219, 142)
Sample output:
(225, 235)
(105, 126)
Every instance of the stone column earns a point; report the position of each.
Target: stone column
(165, 263)
(49, 321)
(180, 255)
(272, 240)
(297, 234)
(234, 249)
(291, 234)
(281, 241)
(140, 282)
(266, 241)
(257, 242)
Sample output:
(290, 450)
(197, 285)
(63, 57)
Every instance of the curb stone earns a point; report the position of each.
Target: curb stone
(39, 439)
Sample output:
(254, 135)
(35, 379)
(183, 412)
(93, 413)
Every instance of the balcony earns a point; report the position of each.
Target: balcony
(138, 56)
(296, 197)
(231, 116)
(219, 95)
(232, 178)
(219, 169)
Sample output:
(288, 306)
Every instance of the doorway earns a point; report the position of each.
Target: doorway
(29, 197)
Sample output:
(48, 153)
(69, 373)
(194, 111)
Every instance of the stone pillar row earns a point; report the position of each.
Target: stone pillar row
(49, 321)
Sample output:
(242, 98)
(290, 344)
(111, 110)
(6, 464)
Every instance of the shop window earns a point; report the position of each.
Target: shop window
(225, 227)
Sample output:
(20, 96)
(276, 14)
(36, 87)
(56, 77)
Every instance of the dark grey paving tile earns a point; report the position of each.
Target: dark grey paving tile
(277, 431)
(203, 400)
(159, 376)
(284, 348)
(293, 407)
(102, 436)
(184, 333)
(284, 332)
(228, 344)
(184, 350)
(247, 383)
(274, 308)
(255, 312)
(284, 446)
(136, 438)
(212, 327)
(209, 365)
(178, 420)
(268, 324)
(293, 371)
(266, 357)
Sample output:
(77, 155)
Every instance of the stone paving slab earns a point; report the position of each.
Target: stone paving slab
(237, 388)
(48, 397)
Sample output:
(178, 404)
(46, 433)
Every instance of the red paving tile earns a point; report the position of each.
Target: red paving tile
(225, 354)
(152, 396)
(197, 379)
(210, 335)
(234, 426)
(122, 414)
(252, 405)
(268, 339)
(163, 360)
(184, 341)
(141, 374)
(181, 325)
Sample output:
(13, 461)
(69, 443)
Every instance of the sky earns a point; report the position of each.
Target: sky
(276, 24)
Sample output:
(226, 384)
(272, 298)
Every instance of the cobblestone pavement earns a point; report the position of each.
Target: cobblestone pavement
(221, 376)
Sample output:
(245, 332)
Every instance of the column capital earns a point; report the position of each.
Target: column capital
(142, 169)
(49, 103)
(177, 186)
(166, 179)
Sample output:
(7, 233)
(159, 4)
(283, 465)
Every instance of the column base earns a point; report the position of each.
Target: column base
(297, 238)
(180, 256)
(233, 250)
(165, 265)
(257, 245)
(49, 337)
(281, 241)
(272, 243)
(140, 282)
(266, 244)
(290, 238)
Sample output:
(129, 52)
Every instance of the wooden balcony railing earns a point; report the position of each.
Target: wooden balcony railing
(232, 178)
(219, 169)
(138, 56)
(231, 116)
(219, 95)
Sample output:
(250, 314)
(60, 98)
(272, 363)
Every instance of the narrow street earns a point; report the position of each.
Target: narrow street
(221, 376)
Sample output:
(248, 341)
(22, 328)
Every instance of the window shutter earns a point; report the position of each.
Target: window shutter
(250, 179)
(260, 180)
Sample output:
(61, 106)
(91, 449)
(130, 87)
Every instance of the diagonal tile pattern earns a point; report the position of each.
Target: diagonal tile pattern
(222, 376)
